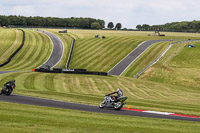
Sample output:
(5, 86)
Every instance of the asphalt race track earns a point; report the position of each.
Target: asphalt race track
(130, 58)
(2, 72)
(57, 51)
(74, 106)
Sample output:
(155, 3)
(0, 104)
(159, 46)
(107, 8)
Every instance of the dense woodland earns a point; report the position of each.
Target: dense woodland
(83, 23)
(184, 26)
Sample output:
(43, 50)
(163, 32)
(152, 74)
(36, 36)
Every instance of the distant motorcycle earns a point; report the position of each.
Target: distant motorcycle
(8, 88)
(117, 104)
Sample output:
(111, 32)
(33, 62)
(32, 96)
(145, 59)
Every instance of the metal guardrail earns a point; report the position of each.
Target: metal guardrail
(162, 54)
(70, 54)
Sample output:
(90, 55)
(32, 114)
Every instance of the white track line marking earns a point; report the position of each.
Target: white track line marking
(156, 112)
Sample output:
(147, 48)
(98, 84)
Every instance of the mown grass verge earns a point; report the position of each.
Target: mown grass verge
(89, 89)
(96, 54)
(10, 40)
(28, 118)
(35, 52)
(181, 68)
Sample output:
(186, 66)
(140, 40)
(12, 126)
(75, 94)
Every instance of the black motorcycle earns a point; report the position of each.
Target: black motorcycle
(117, 104)
(8, 89)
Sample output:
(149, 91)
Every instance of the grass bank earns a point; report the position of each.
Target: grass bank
(10, 40)
(182, 68)
(89, 89)
(35, 52)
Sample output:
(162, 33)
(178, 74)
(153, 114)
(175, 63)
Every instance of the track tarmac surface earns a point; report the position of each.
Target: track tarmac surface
(57, 50)
(2, 72)
(131, 57)
(81, 107)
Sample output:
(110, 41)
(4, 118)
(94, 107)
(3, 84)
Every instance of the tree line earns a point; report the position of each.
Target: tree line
(118, 26)
(83, 23)
(185, 26)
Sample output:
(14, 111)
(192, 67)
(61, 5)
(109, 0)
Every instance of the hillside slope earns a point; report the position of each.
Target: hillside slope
(10, 40)
(35, 52)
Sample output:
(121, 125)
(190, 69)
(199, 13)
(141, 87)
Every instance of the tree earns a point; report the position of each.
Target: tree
(118, 26)
(145, 27)
(139, 27)
(110, 25)
(95, 25)
(102, 23)
(84, 23)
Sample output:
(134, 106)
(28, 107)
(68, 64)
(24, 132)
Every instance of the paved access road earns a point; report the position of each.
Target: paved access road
(66, 105)
(130, 58)
(2, 72)
(57, 50)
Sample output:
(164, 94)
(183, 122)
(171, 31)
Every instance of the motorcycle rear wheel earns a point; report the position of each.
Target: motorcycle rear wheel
(9, 92)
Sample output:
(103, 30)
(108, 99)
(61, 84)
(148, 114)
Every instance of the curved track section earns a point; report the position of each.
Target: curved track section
(57, 51)
(131, 57)
(74, 106)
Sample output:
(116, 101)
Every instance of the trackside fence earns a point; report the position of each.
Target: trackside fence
(70, 71)
(70, 53)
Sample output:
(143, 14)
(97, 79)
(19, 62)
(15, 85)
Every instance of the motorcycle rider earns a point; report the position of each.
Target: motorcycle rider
(7, 85)
(119, 94)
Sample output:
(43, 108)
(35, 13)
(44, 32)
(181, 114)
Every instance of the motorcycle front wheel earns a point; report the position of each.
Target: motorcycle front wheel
(118, 105)
(102, 105)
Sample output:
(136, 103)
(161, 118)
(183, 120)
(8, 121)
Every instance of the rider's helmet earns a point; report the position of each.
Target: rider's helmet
(119, 92)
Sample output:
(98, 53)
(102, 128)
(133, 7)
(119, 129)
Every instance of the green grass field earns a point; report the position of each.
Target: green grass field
(180, 69)
(91, 89)
(35, 52)
(26, 118)
(103, 54)
(171, 85)
(10, 40)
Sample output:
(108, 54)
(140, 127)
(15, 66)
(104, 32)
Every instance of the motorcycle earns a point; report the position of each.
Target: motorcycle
(117, 104)
(7, 90)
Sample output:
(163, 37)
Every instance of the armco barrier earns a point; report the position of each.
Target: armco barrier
(70, 53)
(70, 71)
(10, 58)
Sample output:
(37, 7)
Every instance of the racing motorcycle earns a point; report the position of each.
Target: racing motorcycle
(117, 104)
(7, 90)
